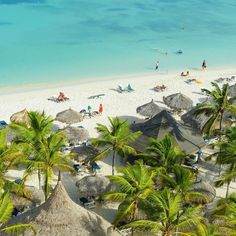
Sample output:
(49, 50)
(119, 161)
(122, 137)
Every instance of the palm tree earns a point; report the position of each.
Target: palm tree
(219, 103)
(163, 153)
(206, 230)
(134, 184)
(224, 214)
(227, 156)
(6, 209)
(30, 139)
(181, 181)
(41, 147)
(167, 216)
(51, 158)
(115, 139)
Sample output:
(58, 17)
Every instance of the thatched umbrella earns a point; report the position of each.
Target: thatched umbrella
(178, 101)
(21, 203)
(85, 153)
(207, 190)
(149, 109)
(59, 215)
(160, 125)
(76, 134)
(198, 121)
(195, 121)
(93, 185)
(37, 195)
(69, 116)
(21, 117)
(232, 90)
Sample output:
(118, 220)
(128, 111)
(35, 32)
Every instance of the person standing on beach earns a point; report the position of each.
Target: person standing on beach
(204, 65)
(90, 111)
(100, 109)
(157, 65)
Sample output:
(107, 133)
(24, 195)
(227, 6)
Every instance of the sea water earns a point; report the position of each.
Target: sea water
(51, 40)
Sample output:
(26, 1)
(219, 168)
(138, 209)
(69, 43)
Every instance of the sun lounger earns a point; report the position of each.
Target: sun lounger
(87, 203)
(120, 89)
(129, 88)
(77, 168)
(159, 88)
(3, 124)
(95, 167)
(96, 96)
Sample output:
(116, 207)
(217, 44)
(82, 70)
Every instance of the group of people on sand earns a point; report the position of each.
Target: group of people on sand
(61, 97)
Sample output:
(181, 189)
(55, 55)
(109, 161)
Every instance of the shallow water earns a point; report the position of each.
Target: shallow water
(50, 40)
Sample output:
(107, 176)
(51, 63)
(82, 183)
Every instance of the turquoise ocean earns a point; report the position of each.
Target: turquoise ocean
(46, 41)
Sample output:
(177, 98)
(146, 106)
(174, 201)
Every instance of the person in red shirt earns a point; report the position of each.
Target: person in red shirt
(100, 109)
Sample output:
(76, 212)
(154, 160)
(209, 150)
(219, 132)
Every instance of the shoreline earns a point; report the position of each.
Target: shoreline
(21, 88)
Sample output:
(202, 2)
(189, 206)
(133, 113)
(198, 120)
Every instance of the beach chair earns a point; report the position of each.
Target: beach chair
(120, 89)
(129, 88)
(87, 203)
(3, 124)
(96, 96)
(77, 168)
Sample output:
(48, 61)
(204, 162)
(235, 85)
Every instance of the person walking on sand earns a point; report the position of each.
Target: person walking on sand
(204, 65)
(157, 65)
(100, 109)
(90, 111)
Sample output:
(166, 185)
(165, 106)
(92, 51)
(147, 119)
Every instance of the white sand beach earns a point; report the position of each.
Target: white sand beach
(114, 104)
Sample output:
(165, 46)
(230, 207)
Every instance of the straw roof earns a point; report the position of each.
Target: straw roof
(163, 123)
(232, 90)
(178, 101)
(85, 153)
(93, 185)
(21, 117)
(75, 134)
(60, 216)
(149, 109)
(21, 203)
(69, 116)
(207, 190)
(196, 122)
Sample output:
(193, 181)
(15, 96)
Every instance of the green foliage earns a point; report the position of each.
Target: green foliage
(134, 184)
(219, 103)
(115, 139)
(163, 153)
(167, 216)
(41, 148)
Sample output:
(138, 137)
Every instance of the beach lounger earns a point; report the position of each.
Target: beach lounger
(96, 96)
(3, 124)
(95, 167)
(120, 89)
(129, 88)
(87, 203)
(77, 168)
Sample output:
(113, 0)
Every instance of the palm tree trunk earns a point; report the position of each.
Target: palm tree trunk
(39, 178)
(113, 162)
(227, 190)
(221, 118)
(46, 185)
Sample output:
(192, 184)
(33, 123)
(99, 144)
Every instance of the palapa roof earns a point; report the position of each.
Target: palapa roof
(207, 190)
(198, 121)
(149, 109)
(60, 216)
(85, 153)
(69, 116)
(21, 117)
(232, 90)
(93, 185)
(178, 101)
(76, 134)
(160, 125)
(195, 121)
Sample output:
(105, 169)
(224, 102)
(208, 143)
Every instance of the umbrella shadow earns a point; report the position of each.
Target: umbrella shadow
(131, 119)
(116, 90)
